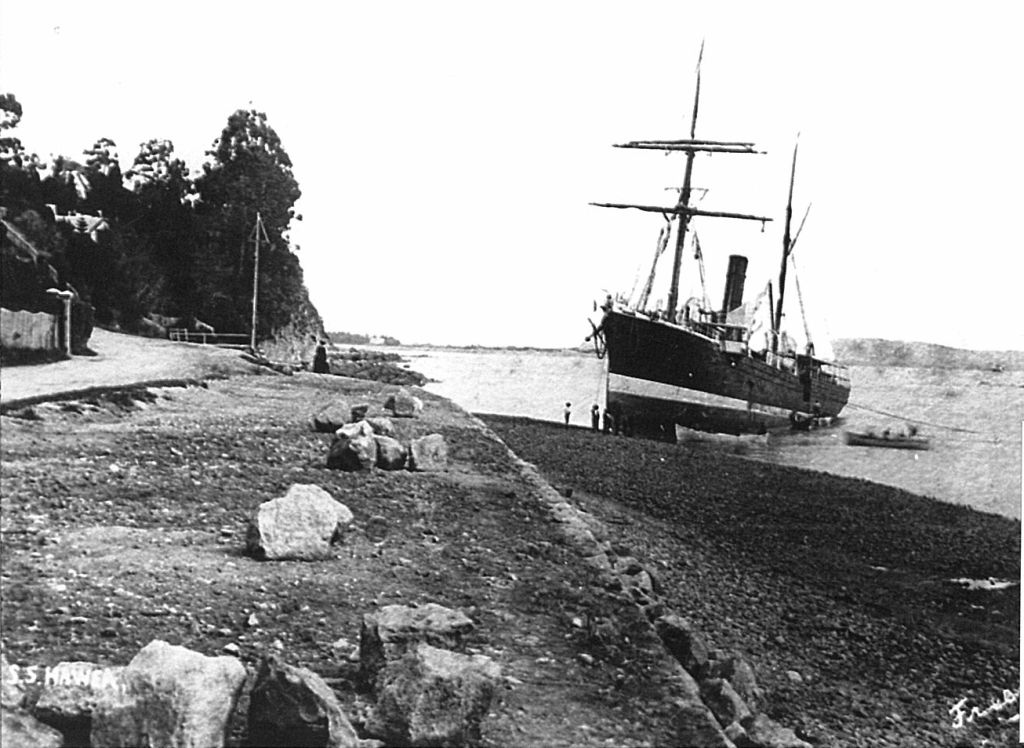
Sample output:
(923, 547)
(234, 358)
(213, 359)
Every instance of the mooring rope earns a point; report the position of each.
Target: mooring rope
(915, 420)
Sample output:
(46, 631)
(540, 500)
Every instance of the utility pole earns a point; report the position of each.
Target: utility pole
(257, 231)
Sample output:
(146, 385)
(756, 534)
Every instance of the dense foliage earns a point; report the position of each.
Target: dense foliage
(167, 243)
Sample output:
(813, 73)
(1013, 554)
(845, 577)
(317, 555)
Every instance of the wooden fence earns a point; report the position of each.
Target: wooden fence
(32, 331)
(219, 339)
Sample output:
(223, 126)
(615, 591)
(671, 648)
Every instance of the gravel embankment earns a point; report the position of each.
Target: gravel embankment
(123, 520)
(836, 588)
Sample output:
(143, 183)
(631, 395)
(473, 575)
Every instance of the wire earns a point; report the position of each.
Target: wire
(915, 420)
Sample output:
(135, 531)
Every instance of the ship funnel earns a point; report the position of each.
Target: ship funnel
(734, 280)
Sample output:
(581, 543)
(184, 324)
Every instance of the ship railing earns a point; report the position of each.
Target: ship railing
(785, 362)
(837, 372)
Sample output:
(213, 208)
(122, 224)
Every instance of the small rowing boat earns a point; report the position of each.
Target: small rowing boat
(886, 439)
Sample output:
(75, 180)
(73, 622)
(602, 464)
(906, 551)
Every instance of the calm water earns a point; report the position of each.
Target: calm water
(980, 467)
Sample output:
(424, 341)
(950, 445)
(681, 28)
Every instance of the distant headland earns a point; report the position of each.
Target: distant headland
(354, 338)
(880, 352)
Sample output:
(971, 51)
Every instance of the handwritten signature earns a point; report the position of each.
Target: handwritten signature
(962, 717)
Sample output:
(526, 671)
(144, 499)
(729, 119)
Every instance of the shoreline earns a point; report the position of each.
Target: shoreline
(794, 583)
(841, 581)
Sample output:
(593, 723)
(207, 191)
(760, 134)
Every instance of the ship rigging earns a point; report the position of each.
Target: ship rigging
(693, 366)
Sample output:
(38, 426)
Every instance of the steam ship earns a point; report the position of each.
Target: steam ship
(698, 367)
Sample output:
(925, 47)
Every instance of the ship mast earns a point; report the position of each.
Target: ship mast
(684, 201)
(682, 208)
(787, 245)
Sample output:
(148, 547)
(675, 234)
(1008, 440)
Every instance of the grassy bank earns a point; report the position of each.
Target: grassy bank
(841, 581)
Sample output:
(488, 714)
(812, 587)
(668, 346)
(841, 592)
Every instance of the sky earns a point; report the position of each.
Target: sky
(448, 151)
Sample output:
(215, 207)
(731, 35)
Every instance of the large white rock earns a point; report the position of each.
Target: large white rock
(302, 525)
(428, 453)
(388, 633)
(171, 696)
(434, 697)
(293, 706)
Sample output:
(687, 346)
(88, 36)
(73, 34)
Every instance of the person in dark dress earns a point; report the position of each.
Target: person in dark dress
(595, 418)
(320, 365)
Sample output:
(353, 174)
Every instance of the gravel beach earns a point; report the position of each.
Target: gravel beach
(124, 518)
(837, 589)
(124, 513)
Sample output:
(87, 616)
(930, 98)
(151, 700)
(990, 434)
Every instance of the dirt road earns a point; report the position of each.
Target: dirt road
(119, 360)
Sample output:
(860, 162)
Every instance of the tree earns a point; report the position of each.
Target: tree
(19, 171)
(156, 169)
(250, 172)
(165, 226)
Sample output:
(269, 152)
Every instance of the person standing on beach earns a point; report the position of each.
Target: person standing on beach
(567, 412)
(595, 418)
(320, 365)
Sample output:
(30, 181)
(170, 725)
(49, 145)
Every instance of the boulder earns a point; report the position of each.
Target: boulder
(19, 729)
(404, 405)
(354, 430)
(12, 690)
(170, 696)
(381, 425)
(741, 677)
(293, 706)
(359, 411)
(300, 525)
(695, 725)
(433, 697)
(391, 454)
(70, 693)
(353, 448)
(684, 642)
(332, 417)
(428, 454)
(738, 736)
(388, 633)
(640, 585)
(723, 701)
(577, 535)
(766, 733)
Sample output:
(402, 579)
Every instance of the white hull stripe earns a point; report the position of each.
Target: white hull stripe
(621, 384)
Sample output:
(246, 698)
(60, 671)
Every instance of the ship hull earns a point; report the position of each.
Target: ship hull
(660, 375)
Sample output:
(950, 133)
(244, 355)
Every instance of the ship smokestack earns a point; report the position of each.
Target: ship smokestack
(734, 280)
